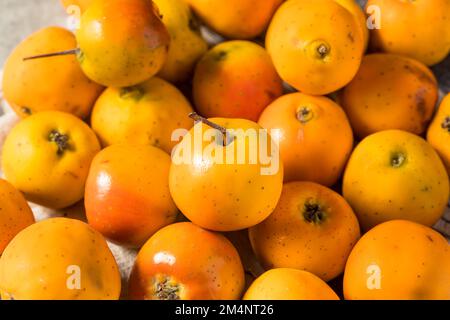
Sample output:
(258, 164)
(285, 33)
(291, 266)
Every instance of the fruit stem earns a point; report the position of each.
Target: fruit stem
(53, 54)
(198, 118)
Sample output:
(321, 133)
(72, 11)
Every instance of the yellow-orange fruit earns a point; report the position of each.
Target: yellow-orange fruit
(419, 29)
(399, 260)
(316, 45)
(55, 83)
(390, 92)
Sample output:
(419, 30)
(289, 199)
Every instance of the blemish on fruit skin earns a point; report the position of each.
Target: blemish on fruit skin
(446, 124)
(220, 56)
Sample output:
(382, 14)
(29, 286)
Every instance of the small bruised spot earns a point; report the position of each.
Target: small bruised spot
(446, 124)
(350, 36)
(221, 55)
(26, 110)
(430, 238)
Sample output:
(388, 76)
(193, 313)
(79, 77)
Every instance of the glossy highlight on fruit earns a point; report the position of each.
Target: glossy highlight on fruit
(184, 262)
(127, 195)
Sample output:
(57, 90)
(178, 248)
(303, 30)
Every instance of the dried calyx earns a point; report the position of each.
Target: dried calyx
(313, 212)
(61, 140)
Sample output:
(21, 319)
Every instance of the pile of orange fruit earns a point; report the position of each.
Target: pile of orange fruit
(364, 155)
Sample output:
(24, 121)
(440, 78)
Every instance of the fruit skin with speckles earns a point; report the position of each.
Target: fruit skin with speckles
(48, 84)
(439, 132)
(184, 262)
(419, 29)
(47, 157)
(15, 214)
(289, 284)
(312, 228)
(235, 79)
(358, 13)
(316, 45)
(410, 260)
(390, 92)
(186, 43)
(236, 19)
(127, 194)
(144, 114)
(395, 174)
(122, 42)
(44, 261)
(221, 195)
(315, 137)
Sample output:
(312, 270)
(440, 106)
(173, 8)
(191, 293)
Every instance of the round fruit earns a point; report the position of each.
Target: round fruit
(396, 175)
(419, 29)
(186, 43)
(145, 114)
(316, 45)
(390, 92)
(122, 42)
(59, 259)
(315, 137)
(127, 193)
(185, 262)
(312, 228)
(216, 185)
(47, 157)
(399, 260)
(235, 79)
(15, 214)
(439, 132)
(236, 19)
(56, 83)
(289, 284)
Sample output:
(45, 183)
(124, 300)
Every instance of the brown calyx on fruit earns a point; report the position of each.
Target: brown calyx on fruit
(166, 289)
(319, 49)
(136, 93)
(26, 111)
(304, 114)
(446, 124)
(398, 159)
(61, 140)
(313, 212)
